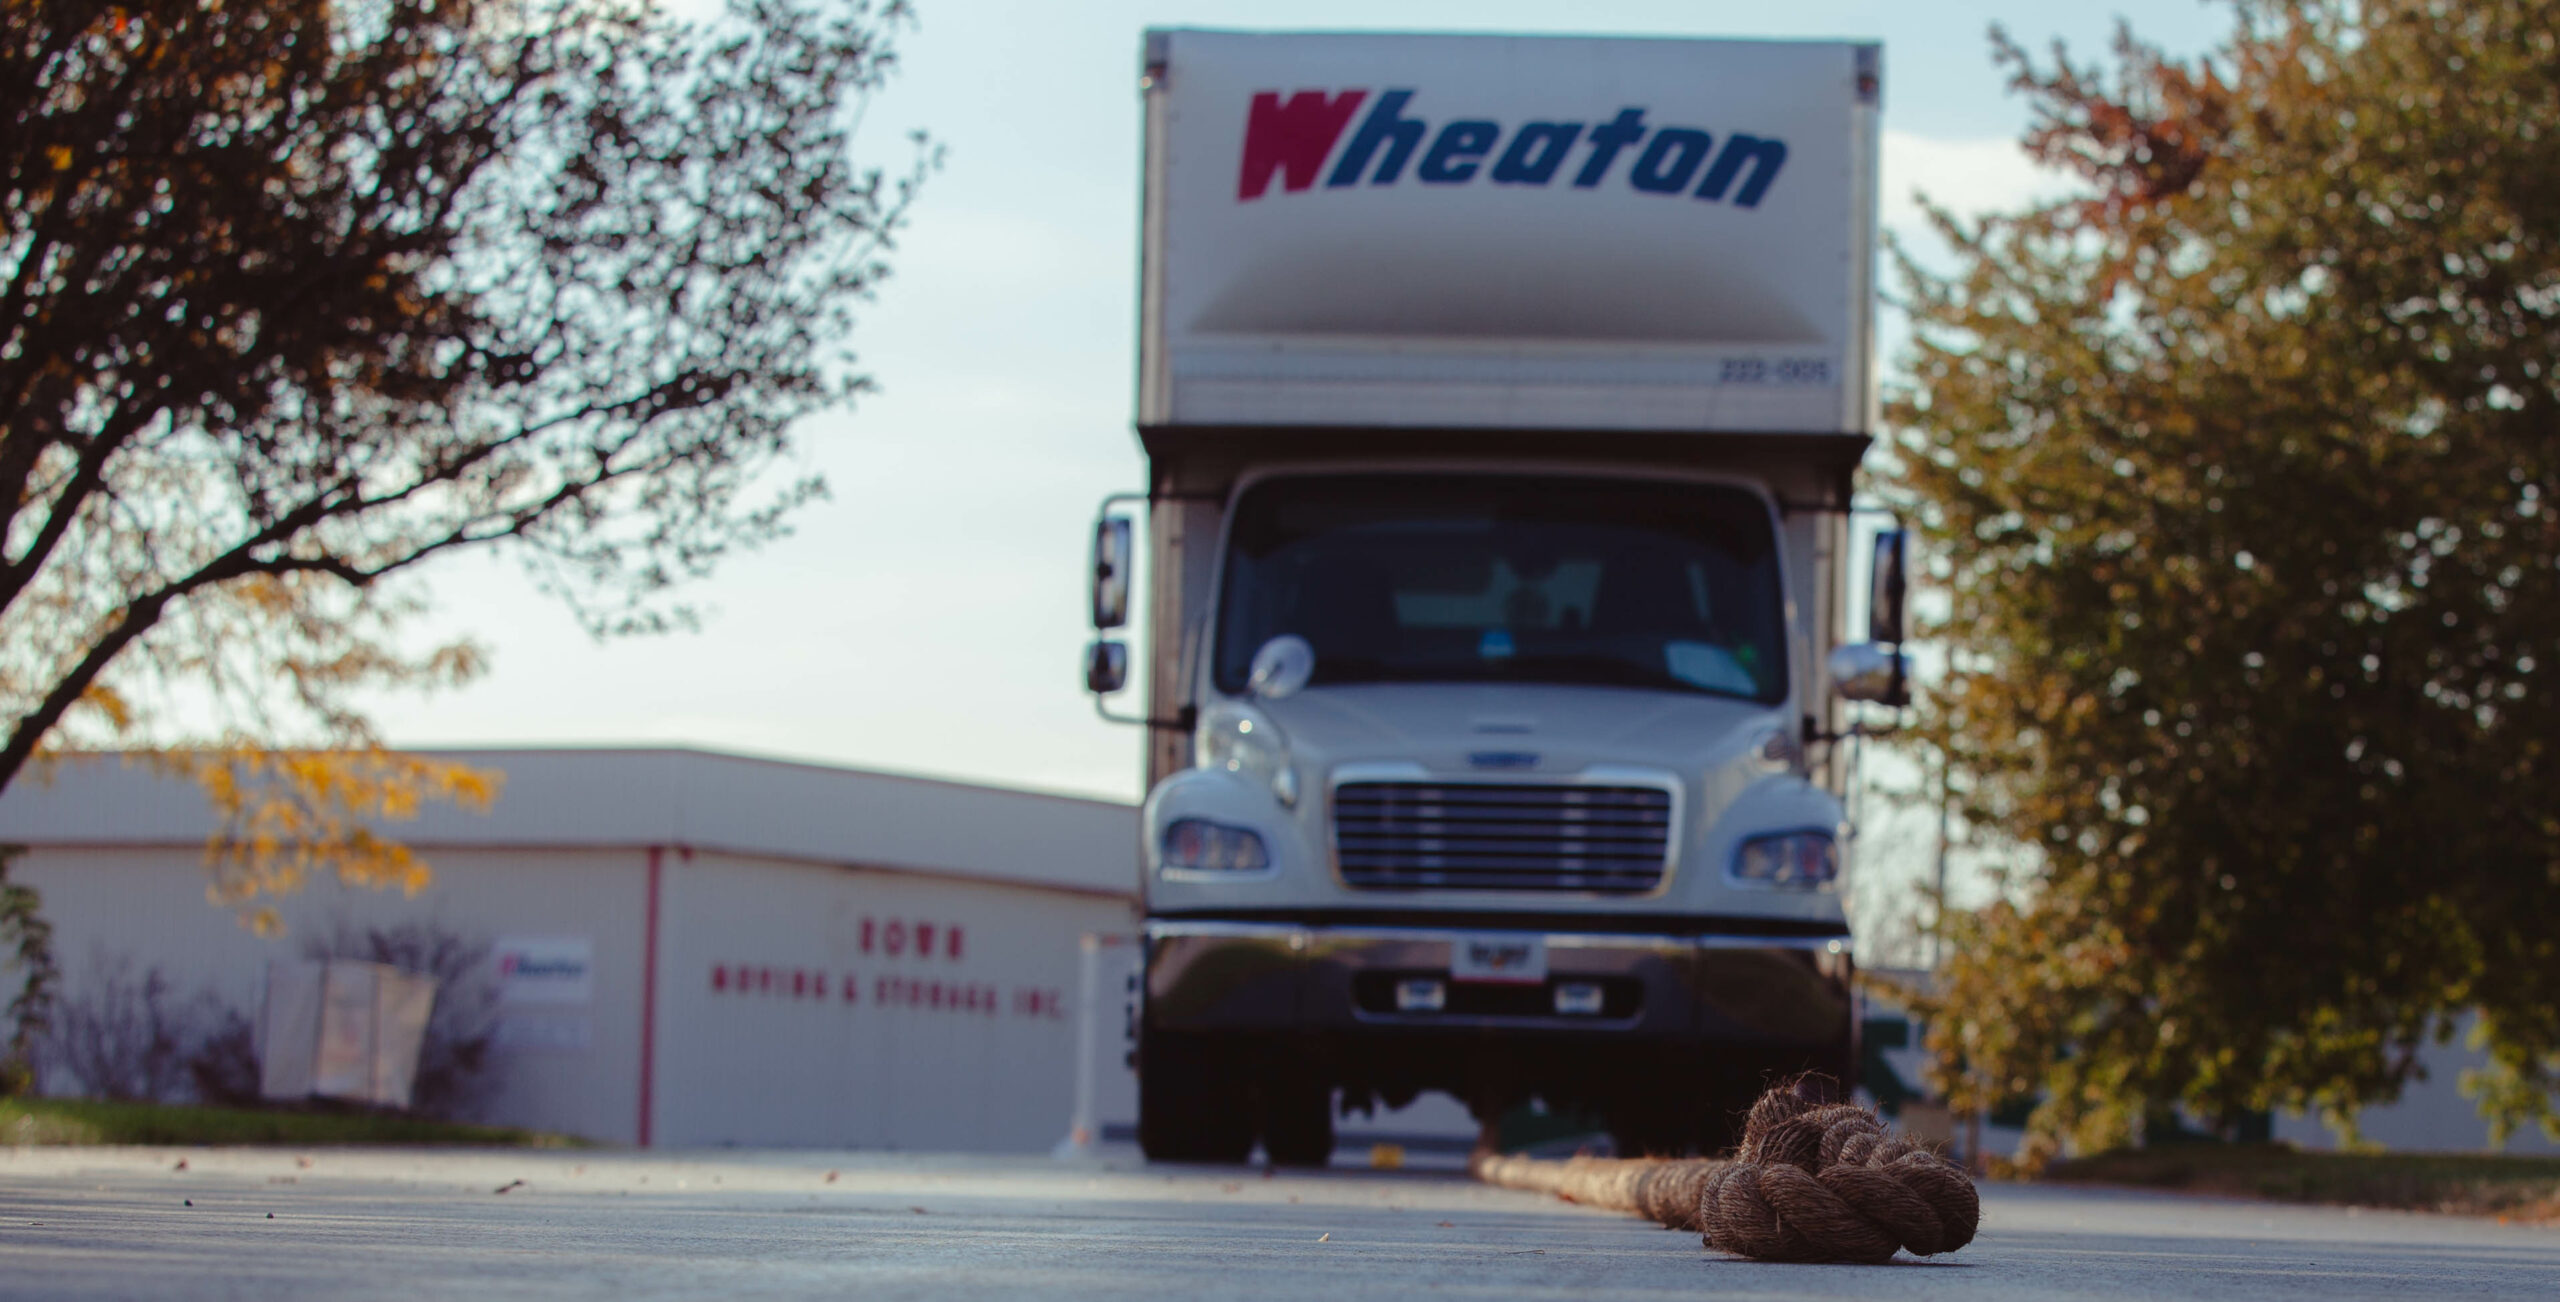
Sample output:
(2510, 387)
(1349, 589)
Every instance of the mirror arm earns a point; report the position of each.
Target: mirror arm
(1183, 720)
(1813, 735)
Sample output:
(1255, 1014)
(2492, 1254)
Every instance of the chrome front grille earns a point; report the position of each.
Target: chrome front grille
(1501, 836)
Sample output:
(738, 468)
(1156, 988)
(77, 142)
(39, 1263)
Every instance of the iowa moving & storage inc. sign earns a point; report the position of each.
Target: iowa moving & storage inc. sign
(1508, 231)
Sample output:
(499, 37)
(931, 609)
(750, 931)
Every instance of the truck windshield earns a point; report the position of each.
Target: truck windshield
(1503, 578)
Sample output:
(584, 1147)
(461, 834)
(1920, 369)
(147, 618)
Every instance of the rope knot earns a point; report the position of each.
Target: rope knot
(1814, 1181)
(1830, 1183)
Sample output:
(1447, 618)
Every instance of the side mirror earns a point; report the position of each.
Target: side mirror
(1106, 667)
(1887, 582)
(1111, 560)
(1869, 671)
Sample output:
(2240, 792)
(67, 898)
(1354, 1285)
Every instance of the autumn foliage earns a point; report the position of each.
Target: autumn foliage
(2239, 468)
(296, 297)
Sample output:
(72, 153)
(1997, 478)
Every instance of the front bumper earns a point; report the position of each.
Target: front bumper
(1743, 990)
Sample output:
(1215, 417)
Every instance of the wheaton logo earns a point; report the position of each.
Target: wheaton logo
(1292, 138)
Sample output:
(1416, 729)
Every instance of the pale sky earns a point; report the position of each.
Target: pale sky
(928, 619)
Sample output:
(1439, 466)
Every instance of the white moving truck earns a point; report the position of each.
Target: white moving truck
(1502, 397)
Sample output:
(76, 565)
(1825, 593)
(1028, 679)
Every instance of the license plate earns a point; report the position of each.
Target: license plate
(1499, 959)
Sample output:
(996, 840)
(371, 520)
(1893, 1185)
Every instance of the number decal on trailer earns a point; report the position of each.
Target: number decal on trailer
(1785, 370)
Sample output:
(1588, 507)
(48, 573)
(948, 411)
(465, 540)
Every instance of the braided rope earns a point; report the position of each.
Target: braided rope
(1813, 1182)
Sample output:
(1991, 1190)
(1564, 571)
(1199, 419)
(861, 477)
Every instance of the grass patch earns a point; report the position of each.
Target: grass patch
(2522, 1188)
(84, 1121)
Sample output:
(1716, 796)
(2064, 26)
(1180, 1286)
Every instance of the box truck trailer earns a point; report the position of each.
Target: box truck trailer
(1501, 398)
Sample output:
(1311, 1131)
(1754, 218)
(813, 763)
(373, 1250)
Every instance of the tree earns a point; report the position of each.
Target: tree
(297, 296)
(26, 952)
(2241, 470)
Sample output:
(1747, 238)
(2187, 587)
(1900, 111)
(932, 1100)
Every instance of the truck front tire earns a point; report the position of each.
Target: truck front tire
(1193, 1103)
(1297, 1122)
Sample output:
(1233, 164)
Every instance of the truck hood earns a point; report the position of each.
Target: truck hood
(1533, 730)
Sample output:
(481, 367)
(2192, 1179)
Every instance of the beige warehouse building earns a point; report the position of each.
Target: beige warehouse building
(683, 948)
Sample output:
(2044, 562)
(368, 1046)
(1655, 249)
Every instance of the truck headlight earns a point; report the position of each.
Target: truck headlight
(1241, 739)
(1803, 861)
(1199, 845)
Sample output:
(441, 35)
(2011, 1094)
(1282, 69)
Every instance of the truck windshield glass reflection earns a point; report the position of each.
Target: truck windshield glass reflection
(1494, 578)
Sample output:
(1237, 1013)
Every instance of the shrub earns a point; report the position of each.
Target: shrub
(126, 1037)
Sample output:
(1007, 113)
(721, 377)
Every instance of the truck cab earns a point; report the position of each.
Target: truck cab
(1494, 669)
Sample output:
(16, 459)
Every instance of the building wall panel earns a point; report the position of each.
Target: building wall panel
(146, 906)
(806, 1004)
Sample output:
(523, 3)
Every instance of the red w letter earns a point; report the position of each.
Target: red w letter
(1291, 139)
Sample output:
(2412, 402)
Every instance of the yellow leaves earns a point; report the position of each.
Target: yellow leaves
(265, 593)
(60, 156)
(263, 922)
(285, 817)
(109, 704)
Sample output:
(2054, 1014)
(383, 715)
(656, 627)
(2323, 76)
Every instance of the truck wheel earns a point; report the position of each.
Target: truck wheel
(1297, 1124)
(1191, 1107)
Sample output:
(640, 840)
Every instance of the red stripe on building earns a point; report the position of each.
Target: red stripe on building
(649, 994)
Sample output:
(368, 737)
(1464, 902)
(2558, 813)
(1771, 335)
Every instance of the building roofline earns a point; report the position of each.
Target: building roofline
(656, 748)
(559, 798)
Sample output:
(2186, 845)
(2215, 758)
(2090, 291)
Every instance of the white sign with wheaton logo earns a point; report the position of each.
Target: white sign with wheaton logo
(1527, 232)
(545, 969)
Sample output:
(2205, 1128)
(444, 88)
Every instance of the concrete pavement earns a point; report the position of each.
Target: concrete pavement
(277, 1224)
